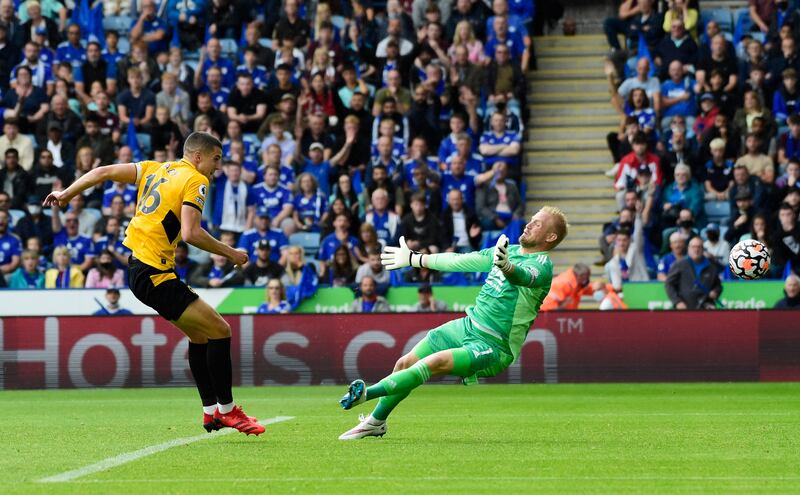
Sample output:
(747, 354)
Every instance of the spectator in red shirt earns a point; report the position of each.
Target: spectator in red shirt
(630, 163)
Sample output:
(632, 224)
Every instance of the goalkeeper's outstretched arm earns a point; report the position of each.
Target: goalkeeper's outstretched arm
(394, 258)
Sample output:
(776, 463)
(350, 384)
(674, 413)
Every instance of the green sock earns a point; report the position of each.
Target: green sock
(386, 405)
(400, 382)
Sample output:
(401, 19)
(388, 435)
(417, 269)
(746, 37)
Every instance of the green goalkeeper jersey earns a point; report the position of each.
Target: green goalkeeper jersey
(506, 306)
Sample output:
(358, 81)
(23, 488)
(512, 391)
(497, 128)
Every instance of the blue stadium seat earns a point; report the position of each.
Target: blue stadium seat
(97, 214)
(338, 22)
(120, 24)
(717, 211)
(15, 216)
(723, 17)
(229, 47)
(309, 241)
(124, 45)
(265, 42)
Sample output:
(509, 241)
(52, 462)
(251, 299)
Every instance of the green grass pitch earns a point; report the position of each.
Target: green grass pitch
(644, 438)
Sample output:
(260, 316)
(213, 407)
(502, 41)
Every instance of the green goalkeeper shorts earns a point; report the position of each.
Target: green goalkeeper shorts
(485, 358)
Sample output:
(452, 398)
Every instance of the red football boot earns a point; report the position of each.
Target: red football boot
(209, 423)
(239, 420)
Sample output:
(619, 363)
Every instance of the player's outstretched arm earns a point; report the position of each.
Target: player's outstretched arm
(122, 172)
(193, 233)
(515, 274)
(394, 258)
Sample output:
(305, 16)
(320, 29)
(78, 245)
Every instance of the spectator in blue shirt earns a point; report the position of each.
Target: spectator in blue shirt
(211, 58)
(262, 232)
(150, 28)
(385, 158)
(310, 205)
(81, 248)
(473, 161)
(273, 158)
(258, 73)
(128, 193)
(230, 198)
(137, 103)
(318, 167)
(112, 306)
(112, 241)
(498, 144)
(677, 248)
(458, 125)
(41, 72)
(677, 96)
(27, 276)
(385, 221)
(278, 201)
(111, 53)
(275, 302)
(786, 100)
(10, 247)
(339, 237)
(514, 41)
(214, 87)
(72, 50)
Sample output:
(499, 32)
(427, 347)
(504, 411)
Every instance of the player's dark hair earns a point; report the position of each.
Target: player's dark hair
(202, 142)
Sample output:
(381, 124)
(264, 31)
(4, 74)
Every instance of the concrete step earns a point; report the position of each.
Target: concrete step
(558, 40)
(546, 194)
(610, 121)
(571, 51)
(566, 144)
(577, 207)
(576, 169)
(568, 157)
(590, 73)
(562, 181)
(569, 97)
(587, 110)
(576, 62)
(583, 132)
(567, 86)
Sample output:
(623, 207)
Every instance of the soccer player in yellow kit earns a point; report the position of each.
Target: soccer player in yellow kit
(171, 197)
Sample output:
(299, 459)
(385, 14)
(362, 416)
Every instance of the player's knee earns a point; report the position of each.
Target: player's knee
(221, 330)
(402, 363)
(437, 362)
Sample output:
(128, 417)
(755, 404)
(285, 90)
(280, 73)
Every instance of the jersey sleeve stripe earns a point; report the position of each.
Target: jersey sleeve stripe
(189, 203)
(138, 166)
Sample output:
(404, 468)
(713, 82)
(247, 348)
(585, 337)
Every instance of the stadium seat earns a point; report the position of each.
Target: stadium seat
(229, 47)
(15, 216)
(717, 211)
(265, 42)
(338, 22)
(124, 45)
(97, 214)
(723, 17)
(309, 241)
(119, 23)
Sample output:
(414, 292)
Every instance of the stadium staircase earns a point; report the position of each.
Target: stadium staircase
(566, 153)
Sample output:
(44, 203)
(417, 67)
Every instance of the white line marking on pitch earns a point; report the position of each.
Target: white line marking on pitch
(447, 478)
(121, 459)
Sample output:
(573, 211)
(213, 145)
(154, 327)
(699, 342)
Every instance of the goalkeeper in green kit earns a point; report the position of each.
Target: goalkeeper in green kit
(489, 338)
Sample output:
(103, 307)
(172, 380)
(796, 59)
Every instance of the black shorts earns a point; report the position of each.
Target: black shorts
(162, 290)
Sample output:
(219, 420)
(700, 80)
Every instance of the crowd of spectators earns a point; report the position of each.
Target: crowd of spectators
(708, 149)
(345, 124)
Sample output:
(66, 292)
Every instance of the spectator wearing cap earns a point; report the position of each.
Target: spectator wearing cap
(707, 116)
(262, 268)
(677, 250)
(10, 247)
(11, 138)
(369, 301)
(318, 167)
(72, 50)
(262, 231)
(112, 306)
(718, 173)
(275, 301)
(714, 247)
(742, 216)
(230, 198)
(277, 200)
(694, 281)
(742, 180)
(426, 303)
(791, 292)
(677, 96)
(14, 179)
(247, 104)
(150, 28)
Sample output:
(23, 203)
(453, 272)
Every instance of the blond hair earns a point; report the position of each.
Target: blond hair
(559, 223)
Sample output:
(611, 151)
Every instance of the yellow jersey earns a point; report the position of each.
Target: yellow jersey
(163, 189)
